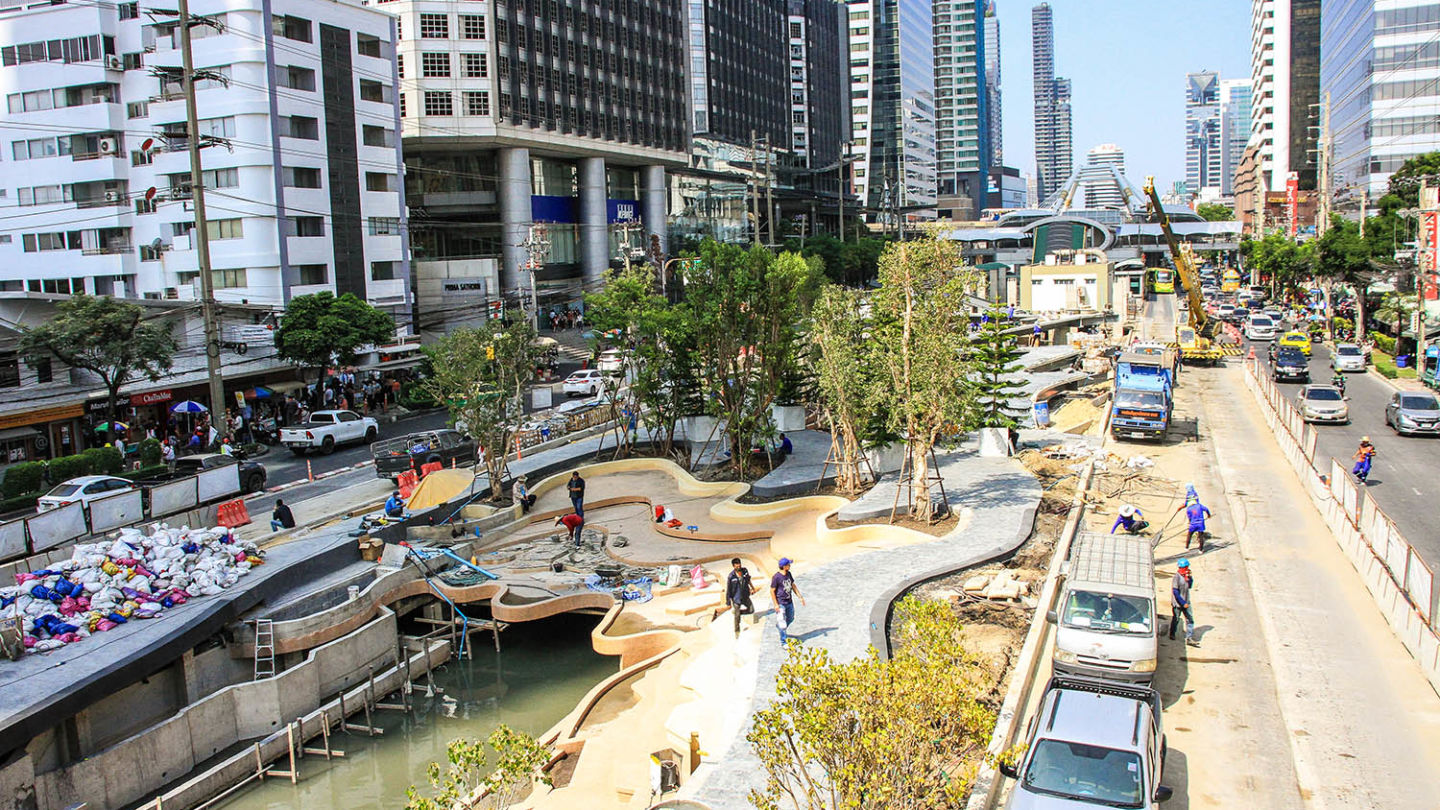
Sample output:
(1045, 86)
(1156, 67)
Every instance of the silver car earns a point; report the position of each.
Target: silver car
(1413, 412)
(1322, 403)
(1347, 357)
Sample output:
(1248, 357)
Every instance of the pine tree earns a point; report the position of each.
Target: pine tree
(995, 356)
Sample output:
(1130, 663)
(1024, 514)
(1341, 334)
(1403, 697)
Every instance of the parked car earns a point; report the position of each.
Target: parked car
(1410, 413)
(586, 381)
(1347, 357)
(252, 473)
(1290, 366)
(1093, 743)
(84, 489)
(1296, 340)
(414, 450)
(612, 361)
(1322, 403)
(328, 429)
(1261, 327)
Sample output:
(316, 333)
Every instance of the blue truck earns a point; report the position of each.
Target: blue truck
(1143, 396)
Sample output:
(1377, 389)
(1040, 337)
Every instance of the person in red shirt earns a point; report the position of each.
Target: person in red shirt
(572, 523)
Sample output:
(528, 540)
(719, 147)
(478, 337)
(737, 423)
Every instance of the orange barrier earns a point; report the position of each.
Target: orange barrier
(232, 513)
(426, 469)
(406, 482)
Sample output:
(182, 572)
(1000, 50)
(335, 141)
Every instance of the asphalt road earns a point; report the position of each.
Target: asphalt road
(1405, 477)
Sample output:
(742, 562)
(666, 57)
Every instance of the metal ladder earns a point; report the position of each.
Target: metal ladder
(264, 649)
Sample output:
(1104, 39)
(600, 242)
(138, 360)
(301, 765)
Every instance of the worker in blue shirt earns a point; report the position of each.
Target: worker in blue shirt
(1131, 519)
(1196, 512)
(395, 506)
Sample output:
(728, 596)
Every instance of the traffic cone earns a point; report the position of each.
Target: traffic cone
(1251, 355)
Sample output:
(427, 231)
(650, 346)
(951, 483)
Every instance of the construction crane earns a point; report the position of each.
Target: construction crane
(1194, 346)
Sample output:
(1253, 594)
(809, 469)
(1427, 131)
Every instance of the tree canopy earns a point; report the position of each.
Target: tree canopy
(108, 337)
(995, 381)
(323, 331)
(1215, 212)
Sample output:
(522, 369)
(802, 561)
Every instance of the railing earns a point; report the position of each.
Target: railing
(105, 250)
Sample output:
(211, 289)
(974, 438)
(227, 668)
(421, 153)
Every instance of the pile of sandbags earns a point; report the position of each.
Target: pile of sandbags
(134, 576)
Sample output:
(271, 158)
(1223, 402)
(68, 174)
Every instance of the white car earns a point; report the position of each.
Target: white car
(586, 382)
(326, 429)
(1261, 327)
(611, 361)
(84, 489)
(1347, 357)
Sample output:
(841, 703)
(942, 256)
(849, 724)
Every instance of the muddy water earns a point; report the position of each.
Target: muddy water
(542, 671)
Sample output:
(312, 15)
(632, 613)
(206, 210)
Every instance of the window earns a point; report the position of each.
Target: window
(305, 226)
(795, 32)
(434, 26)
(434, 65)
(229, 277)
(477, 102)
(40, 195)
(38, 148)
(144, 206)
(402, 104)
(225, 229)
(132, 61)
(300, 126)
(300, 177)
(219, 178)
(34, 242)
(377, 136)
(438, 102)
(374, 91)
(137, 109)
(9, 370)
(475, 65)
(77, 49)
(379, 181)
(313, 273)
(129, 11)
(295, 77)
(472, 26)
(369, 45)
(139, 158)
(296, 28)
(384, 226)
(383, 271)
(43, 372)
(149, 253)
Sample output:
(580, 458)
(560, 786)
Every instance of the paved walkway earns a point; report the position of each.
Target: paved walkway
(800, 471)
(842, 594)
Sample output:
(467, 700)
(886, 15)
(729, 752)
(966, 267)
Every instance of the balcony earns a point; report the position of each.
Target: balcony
(111, 249)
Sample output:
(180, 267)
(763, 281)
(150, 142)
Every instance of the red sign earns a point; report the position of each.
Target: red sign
(1292, 202)
(1432, 239)
(150, 398)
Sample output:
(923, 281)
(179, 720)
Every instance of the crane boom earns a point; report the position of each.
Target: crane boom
(1180, 253)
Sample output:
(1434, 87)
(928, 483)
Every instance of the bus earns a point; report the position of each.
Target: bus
(1230, 281)
(1161, 280)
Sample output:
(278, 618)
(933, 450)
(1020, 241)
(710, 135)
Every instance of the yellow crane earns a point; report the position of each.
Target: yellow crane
(1194, 346)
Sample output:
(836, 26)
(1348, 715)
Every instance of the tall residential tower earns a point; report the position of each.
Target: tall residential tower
(1053, 148)
(965, 120)
(1285, 90)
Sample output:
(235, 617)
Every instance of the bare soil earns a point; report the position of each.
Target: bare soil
(937, 529)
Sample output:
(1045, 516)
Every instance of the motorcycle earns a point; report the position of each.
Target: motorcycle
(1339, 382)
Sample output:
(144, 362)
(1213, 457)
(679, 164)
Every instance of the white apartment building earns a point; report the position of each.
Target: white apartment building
(1285, 83)
(1098, 177)
(299, 121)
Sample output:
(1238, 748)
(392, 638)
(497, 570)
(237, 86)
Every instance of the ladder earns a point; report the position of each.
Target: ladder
(264, 649)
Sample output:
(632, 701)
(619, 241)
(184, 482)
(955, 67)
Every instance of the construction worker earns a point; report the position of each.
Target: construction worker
(1131, 519)
(395, 505)
(1364, 455)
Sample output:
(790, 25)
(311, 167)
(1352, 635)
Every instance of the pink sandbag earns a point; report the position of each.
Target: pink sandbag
(68, 638)
(21, 579)
(68, 606)
(30, 641)
(105, 624)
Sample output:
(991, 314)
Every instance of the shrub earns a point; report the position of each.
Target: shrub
(1384, 343)
(67, 467)
(1340, 324)
(23, 478)
(105, 460)
(414, 396)
(148, 471)
(19, 502)
(150, 452)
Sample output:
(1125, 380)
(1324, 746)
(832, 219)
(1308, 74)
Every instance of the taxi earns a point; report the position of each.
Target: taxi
(1296, 340)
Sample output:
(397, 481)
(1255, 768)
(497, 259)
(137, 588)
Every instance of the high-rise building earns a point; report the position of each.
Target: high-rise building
(818, 102)
(892, 92)
(992, 84)
(1379, 68)
(964, 153)
(538, 137)
(741, 85)
(1234, 130)
(302, 168)
(1053, 148)
(1098, 177)
(1203, 159)
(1285, 89)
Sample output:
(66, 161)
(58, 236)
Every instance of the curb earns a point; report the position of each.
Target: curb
(321, 477)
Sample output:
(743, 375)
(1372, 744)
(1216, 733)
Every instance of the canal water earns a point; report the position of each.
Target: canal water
(541, 672)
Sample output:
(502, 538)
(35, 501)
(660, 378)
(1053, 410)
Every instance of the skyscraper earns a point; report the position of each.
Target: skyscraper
(992, 83)
(1053, 149)
(1202, 132)
(739, 79)
(964, 120)
(1101, 188)
(1234, 130)
(1284, 85)
(817, 80)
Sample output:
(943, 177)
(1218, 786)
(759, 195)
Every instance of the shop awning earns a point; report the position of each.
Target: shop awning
(404, 362)
(9, 434)
(280, 389)
(40, 417)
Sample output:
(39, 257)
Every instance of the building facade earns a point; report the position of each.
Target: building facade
(992, 84)
(1203, 157)
(1098, 176)
(963, 116)
(1234, 130)
(1054, 155)
(892, 98)
(1380, 67)
(302, 165)
(819, 103)
(1285, 89)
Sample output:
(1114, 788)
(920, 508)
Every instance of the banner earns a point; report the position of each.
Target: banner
(1432, 239)
(1292, 203)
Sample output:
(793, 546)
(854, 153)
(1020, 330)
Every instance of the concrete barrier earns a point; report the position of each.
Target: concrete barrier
(50, 529)
(114, 511)
(12, 539)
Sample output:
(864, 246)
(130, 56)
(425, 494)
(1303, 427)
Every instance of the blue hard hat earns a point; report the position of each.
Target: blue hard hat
(1184, 563)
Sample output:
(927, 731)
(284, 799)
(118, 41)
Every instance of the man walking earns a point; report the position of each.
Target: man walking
(783, 591)
(576, 489)
(738, 589)
(1180, 586)
(1196, 512)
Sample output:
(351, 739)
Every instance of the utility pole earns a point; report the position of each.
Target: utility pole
(202, 227)
(536, 248)
(840, 167)
(769, 198)
(1364, 208)
(754, 189)
(1422, 265)
(1322, 212)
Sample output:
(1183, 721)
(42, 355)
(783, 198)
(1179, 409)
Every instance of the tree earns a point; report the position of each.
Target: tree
(1214, 212)
(519, 763)
(996, 359)
(840, 355)
(1277, 257)
(1341, 256)
(748, 308)
(480, 375)
(324, 332)
(920, 344)
(107, 337)
(1405, 182)
(908, 732)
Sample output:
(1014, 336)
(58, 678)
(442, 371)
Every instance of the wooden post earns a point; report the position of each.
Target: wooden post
(259, 764)
(290, 740)
(300, 732)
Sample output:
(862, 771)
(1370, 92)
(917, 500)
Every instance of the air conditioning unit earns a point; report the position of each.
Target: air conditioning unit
(113, 62)
(113, 196)
(108, 146)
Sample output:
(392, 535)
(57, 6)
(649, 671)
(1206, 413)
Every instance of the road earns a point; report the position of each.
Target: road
(1406, 474)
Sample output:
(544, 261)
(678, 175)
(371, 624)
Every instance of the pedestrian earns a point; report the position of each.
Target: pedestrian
(786, 446)
(738, 589)
(281, 517)
(783, 591)
(521, 495)
(573, 523)
(1180, 586)
(1132, 519)
(1363, 457)
(576, 488)
(167, 452)
(1196, 512)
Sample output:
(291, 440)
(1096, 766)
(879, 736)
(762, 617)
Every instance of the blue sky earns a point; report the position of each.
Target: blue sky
(1126, 61)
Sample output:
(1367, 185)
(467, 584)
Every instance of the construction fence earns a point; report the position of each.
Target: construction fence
(1402, 584)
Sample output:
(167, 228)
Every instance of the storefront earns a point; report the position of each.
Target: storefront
(41, 434)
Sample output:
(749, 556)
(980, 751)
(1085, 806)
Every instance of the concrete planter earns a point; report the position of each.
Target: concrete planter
(994, 443)
(788, 418)
(697, 429)
(886, 459)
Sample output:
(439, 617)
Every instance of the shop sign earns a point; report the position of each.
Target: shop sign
(151, 398)
(41, 416)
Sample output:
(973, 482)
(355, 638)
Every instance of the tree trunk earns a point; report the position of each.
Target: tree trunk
(921, 506)
(1360, 331)
(113, 406)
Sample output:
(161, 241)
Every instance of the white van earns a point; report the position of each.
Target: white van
(1106, 621)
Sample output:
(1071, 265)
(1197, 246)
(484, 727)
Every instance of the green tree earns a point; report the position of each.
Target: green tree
(480, 374)
(1405, 182)
(995, 356)
(518, 767)
(920, 344)
(908, 732)
(324, 332)
(1214, 212)
(1279, 259)
(107, 337)
(1343, 257)
(748, 308)
(839, 352)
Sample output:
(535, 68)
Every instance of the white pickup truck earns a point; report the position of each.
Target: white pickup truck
(326, 429)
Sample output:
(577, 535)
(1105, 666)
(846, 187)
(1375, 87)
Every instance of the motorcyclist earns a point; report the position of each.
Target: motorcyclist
(1339, 382)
